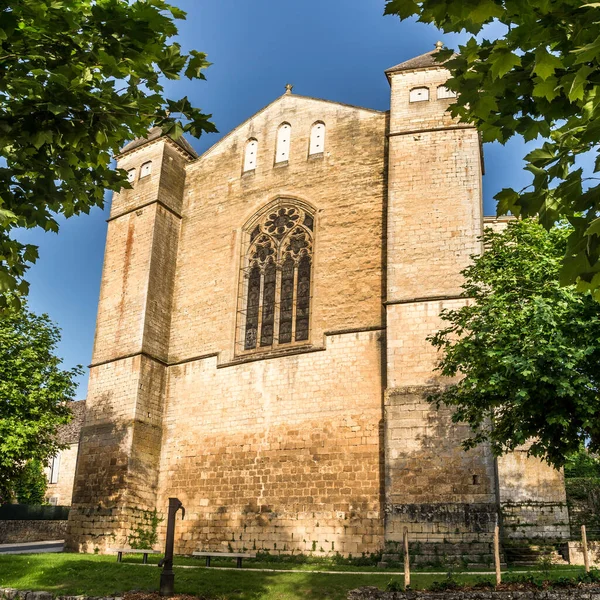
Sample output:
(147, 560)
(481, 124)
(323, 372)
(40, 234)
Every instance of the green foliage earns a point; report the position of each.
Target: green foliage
(449, 583)
(78, 78)
(145, 535)
(539, 79)
(527, 349)
(582, 464)
(34, 391)
(31, 485)
(394, 585)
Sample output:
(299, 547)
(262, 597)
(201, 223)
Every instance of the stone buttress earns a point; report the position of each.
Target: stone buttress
(448, 499)
(117, 471)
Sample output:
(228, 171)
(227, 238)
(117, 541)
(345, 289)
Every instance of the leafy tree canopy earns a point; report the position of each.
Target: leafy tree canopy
(78, 78)
(541, 79)
(582, 464)
(31, 485)
(527, 348)
(34, 393)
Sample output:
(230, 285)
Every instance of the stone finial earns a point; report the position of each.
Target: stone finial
(288, 88)
(439, 45)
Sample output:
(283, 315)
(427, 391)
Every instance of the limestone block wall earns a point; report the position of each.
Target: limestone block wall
(22, 532)
(434, 211)
(433, 487)
(280, 455)
(61, 492)
(434, 217)
(117, 469)
(346, 187)
(533, 499)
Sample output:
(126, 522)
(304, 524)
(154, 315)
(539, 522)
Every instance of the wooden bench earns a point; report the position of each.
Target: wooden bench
(121, 551)
(237, 555)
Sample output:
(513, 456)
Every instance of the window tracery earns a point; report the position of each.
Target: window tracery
(275, 285)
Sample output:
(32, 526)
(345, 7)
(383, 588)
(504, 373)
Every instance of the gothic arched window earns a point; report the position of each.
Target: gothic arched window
(275, 300)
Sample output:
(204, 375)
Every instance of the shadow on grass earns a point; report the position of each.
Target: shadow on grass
(85, 574)
(75, 574)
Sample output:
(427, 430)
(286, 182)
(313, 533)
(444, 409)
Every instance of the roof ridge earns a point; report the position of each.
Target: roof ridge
(423, 61)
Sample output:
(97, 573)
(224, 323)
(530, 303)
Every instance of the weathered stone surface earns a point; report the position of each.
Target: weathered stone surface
(323, 446)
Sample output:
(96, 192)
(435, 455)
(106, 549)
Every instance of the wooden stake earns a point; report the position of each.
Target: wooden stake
(497, 554)
(586, 558)
(406, 560)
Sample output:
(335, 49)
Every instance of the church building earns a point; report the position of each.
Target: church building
(261, 349)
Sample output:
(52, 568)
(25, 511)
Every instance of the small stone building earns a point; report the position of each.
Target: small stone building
(60, 471)
(261, 349)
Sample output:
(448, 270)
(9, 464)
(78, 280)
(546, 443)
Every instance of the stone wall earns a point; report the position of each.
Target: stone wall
(575, 553)
(15, 531)
(371, 593)
(280, 455)
(346, 187)
(533, 500)
(61, 492)
(434, 488)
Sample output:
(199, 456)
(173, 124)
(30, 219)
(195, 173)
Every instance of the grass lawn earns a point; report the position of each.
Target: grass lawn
(74, 574)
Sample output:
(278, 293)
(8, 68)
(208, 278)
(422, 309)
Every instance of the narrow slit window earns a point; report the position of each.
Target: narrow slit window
(444, 92)
(317, 139)
(419, 94)
(250, 155)
(146, 169)
(54, 468)
(282, 150)
(275, 304)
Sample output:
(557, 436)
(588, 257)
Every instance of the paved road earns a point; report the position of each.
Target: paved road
(32, 547)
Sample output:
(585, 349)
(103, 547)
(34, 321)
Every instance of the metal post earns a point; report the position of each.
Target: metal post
(167, 577)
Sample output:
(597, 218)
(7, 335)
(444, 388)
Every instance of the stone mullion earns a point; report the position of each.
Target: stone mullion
(294, 300)
(260, 307)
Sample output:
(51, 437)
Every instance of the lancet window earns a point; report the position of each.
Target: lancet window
(275, 284)
(317, 139)
(282, 150)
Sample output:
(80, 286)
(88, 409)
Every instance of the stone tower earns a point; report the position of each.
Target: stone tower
(118, 464)
(434, 219)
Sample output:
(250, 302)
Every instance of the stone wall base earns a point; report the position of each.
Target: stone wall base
(435, 554)
(13, 532)
(373, 593)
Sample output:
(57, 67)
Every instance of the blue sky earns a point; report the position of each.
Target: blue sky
(332, 49)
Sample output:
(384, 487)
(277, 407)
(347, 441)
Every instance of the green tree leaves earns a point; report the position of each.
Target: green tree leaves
(77, 80)
(34, 393)
(526, 347)
(541, 78)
